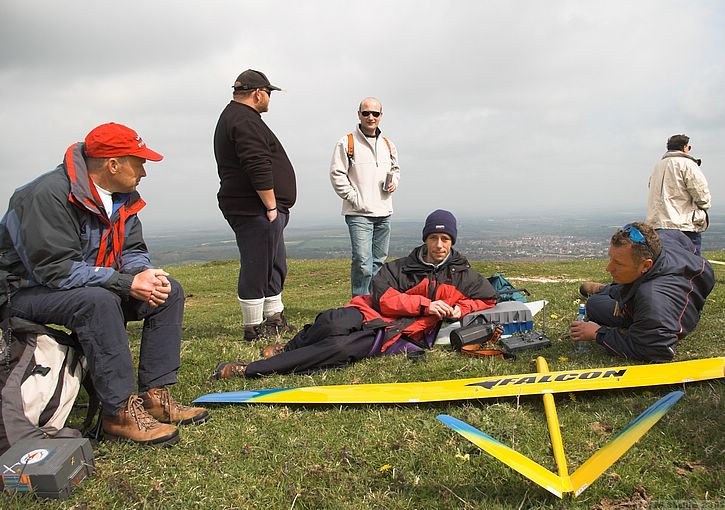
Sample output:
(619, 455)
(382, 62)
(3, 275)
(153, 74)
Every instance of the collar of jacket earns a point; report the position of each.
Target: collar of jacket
(413, 263)
(362, 133)
(82, 194)
(679, 154)
(247, 107)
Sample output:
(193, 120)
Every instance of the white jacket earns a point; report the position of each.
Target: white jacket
(678, 194)
(359, 181)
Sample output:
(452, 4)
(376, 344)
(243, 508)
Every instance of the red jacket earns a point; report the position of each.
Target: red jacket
(404, 288)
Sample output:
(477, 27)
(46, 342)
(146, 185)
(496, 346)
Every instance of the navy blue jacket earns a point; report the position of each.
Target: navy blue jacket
(57, 234)
(663, 306)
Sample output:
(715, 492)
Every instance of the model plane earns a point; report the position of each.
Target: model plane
(542, 382)
(588, 379)
(562, 483)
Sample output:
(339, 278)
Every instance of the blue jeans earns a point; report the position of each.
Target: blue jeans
(370, 238)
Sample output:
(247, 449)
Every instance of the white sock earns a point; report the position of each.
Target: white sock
(272, 305)
(251, 311)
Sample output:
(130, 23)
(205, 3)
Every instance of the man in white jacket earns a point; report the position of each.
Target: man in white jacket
(678, 193)
(364, 172)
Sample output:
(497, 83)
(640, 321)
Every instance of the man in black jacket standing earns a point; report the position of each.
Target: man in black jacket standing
(659, 289)
(257, 190)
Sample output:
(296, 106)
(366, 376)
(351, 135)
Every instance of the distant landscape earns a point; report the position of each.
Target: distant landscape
(515, 238)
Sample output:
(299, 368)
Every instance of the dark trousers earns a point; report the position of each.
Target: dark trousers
(604, 310)
(696, 238)
(98, 318)
(335, 339)
(262, 255)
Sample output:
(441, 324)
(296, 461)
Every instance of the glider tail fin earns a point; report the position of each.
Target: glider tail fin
(612, 451)
(508, 456)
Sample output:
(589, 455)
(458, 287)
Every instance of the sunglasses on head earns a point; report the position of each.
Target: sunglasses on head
(368, 112)
(636, 236)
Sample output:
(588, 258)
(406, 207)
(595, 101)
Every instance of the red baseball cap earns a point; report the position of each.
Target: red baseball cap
(114, 140)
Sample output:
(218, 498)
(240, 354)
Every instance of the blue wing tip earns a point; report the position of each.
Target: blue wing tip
(232, 397)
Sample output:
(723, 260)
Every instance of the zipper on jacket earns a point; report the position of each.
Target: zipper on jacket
(433, 278)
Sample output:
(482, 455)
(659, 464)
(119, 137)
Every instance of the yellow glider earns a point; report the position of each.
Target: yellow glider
(590, 379)
(583, 477)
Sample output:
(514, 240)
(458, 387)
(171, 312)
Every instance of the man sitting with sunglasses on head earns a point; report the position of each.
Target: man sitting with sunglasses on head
(659, 289)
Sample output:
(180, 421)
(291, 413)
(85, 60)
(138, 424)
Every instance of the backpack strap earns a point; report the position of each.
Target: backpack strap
(350, 147)
(479, 351)
(390, 148)
(487, 347)
(93, 411)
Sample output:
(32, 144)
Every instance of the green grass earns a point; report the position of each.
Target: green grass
(282, 457)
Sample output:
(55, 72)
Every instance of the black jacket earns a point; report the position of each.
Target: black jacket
(249, 158)
(661, 307)
(404, 288)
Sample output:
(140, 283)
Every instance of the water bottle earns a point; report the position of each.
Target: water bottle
(582, 346)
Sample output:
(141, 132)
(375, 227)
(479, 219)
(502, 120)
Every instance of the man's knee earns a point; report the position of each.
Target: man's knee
(177, 291)
(363, 268)
(601, 308)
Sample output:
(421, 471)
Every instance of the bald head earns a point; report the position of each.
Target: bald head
(370, 103)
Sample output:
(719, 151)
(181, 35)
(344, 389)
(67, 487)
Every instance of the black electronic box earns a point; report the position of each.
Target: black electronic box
(48, 468)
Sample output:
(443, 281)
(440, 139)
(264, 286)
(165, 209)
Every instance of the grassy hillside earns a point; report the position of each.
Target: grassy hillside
(400, 457)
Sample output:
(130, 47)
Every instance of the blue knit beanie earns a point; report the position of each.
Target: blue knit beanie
(440, 221)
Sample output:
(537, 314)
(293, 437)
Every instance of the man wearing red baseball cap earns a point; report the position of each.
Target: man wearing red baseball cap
(72, 250)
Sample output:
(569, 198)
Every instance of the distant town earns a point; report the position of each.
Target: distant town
(504, 239)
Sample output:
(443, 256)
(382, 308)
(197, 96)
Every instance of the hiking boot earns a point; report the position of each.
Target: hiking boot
(227, 370)
(272, 350)
(254, 332)
(159, 403)
(136, 424)
(587, 289)
(276, 326)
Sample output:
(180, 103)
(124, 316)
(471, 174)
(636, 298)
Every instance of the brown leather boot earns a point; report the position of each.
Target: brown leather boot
(159, 403)
(272, 350)
(276, 326)
(254, 333)
(587, 289)
(227, 370)
(135, 424)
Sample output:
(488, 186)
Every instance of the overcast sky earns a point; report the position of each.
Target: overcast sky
(499, 106)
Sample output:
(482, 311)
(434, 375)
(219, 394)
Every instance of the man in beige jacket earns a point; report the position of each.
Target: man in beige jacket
(364, 172)
(678, 193)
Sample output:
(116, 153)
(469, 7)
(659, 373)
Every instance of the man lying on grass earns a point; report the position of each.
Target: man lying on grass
(659, 289)
(411, 296)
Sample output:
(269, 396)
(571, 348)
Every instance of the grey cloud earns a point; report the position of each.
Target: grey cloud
(544, 102)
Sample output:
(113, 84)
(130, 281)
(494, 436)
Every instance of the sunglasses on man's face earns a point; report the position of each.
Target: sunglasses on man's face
(367, 113)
